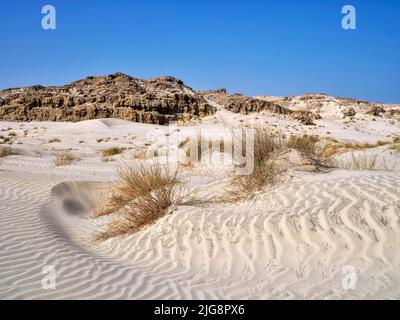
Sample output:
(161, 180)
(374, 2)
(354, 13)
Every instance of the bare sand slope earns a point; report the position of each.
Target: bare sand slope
(304, 239)
(297, 241)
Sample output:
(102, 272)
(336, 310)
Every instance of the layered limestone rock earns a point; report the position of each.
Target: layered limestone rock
(240, 104)
(156, 101)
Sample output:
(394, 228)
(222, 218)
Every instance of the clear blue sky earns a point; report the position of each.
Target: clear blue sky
(285, 47)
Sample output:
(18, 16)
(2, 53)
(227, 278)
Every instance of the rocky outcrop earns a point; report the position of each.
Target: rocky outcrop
(375, 110)
(164, 99)
(349, 112)
(305, 117)
(156, 101)
(240, 104)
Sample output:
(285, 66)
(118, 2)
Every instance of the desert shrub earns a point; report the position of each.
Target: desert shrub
(266, 170)
(63, 159)
(112, 151)
(311, 148)
(54, 140)
(395, 147)
(5, 152)
(361, 161)
(142, 195)
(333, 148)
(396, 144)
(193, 147)
(266, 144)
(382, 143)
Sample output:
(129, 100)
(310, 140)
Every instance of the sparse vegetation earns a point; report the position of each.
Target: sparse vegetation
(266, 170)
(3, 139)
(192, 148)
(100, 140)
(139, 154)
(321, 153)
(64, 158)
(5, 152)
(311, 148)
(54, 140)
(395, 147)
(360, 161)
(112, 151)
(142, 196)
(334, 147)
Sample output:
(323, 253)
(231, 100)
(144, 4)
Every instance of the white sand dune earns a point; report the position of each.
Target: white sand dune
(293, 243)
(296, 241)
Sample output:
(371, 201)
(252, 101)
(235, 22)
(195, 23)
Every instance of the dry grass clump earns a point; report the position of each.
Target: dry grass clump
(396, 144)
(143, 194)
(5, 152)
(64, 159)
(395, 147)
(193, 148)
(54, 140)
(266, 170)
(112, 151)
(312, 148)
(4, 140)
(335, 147)
(266, 143)
(361, 161)
(100, 140)
(140, 154)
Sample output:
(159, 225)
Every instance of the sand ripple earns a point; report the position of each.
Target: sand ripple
(292, 242)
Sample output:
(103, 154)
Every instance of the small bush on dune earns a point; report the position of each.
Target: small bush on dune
(245, 187)
(396, 144)
(361, 161)
(382, 143)
(54, 140)
(267, 169)
(265, 172)
(5, 152)
(266, 144)
(312, 148)
(194, 147)
(112, 151)
(142, 196)
(395, 147)
(63, 159)
(335, 148)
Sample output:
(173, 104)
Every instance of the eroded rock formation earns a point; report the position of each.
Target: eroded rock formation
(156, 101)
